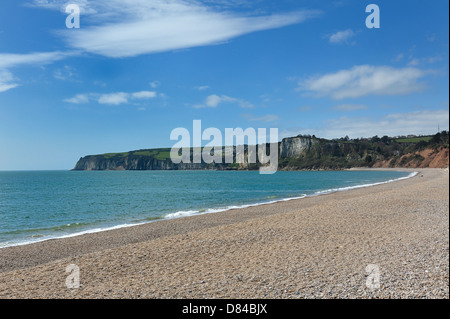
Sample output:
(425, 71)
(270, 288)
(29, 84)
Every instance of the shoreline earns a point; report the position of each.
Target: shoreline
(282, 250)
(183, 214)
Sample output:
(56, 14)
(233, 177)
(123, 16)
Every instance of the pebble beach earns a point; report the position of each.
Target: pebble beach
(383, 241)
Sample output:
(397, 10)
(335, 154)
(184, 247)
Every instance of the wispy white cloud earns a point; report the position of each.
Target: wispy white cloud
(427, 60)
(85, 6)
(7, 81)
(365, 80)
(125, 28)
(64, 73)
(431, 38)
(115, 98)
(264, 118)
(417, 122)
(414, 62)
(349, 107)
(144, 95)
(213, 101)
(100, 83)
(10, 60)
(399, 57)
(202, 87)
(341, 36)
(78, 99)
(155, 84)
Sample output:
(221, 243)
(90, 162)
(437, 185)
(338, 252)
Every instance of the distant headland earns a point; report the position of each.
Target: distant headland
(302, 152)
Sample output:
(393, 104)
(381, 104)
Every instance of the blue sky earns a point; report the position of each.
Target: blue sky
(136, 70)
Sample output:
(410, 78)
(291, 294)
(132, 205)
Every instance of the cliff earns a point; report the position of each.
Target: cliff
(432, 158)
(297, 153)
(153, 159)
(295, 146)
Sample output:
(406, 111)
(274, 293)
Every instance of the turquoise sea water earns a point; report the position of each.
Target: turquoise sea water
(41, 205)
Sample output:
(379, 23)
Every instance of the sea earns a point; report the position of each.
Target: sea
(43, 205)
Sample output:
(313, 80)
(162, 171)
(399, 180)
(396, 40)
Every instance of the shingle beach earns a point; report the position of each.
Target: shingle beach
(384, 241)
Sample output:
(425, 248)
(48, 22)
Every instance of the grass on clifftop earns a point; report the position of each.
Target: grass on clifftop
(414, 139)
(161, 154)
